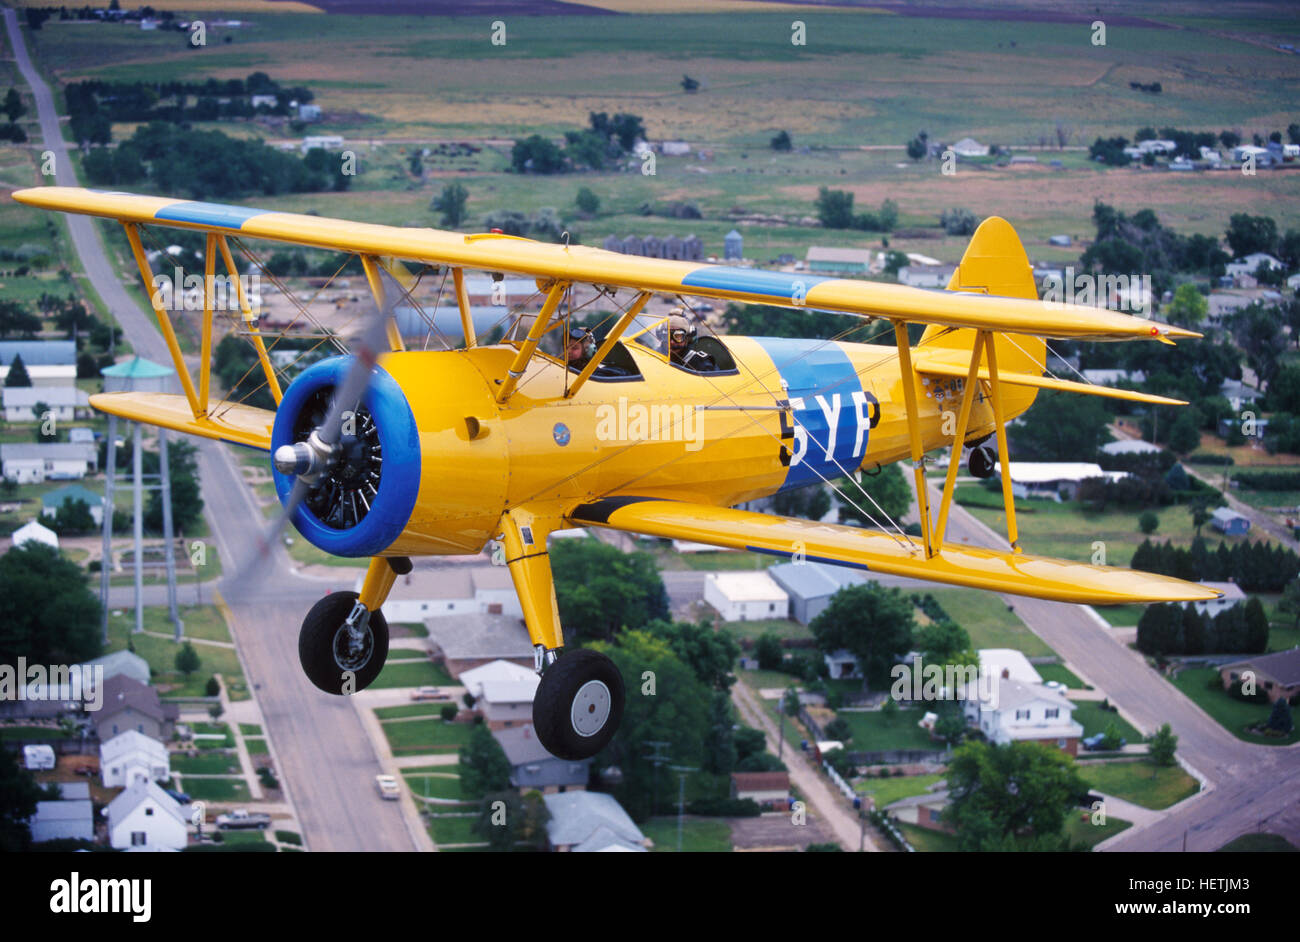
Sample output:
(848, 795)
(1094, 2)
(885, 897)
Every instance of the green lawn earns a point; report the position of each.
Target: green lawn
(32, 733)
(452, 769)
(219, 764)
(408, 737)
(161, 652)
(1232, 714)
(410, 709)
(927, 841)
(873, 732)
(1259, 843)
(447, 830)
(216, 789)
(699, 835)
(417, 673)
(435, 786)
(256, 745)
(886, 791)
(1095, 720)
(1121, 616)
(989, 622)
(250, 729)
(781, 627)
(1060, 673)
(1080, 829)
(252, 836)
(1135, 782)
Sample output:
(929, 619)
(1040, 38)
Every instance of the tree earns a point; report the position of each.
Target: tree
(768, 652)
(1111, 738)
(870, 621)
(690, 85)
(834, 208)
(1279, 719)
(17, 321)
(510, 821)
(601, 590)
(810, 502)
(1061, 427)
(890, 495)
(916, 148)
(1290, 601)
(1185, 435)
(187, 660)
(13, 106)
(782, 142)
(709, 653)
(951, 725)
(187, 497)
(1148, 522)
(1010, 797)
(47, 613)
(19, 794)
(941, 640)
(665, 703)
(484, 767)
(1161, 746)
(73, 518)
(18, 375)
(451, 203)
(839, 729)
(536, 154)
(416, 163)
(1188, 307)
(213, 687)
(1248, 234)
(958, 221)
(587, 201)
(720, 739)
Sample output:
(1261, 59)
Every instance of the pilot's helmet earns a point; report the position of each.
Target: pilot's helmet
(680, 330)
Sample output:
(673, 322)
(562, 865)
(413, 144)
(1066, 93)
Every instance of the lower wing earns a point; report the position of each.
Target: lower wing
(1015, 573)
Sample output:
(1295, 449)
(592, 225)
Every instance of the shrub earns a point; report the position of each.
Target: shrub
(289, 837)
(213, 687)
(724, 807)
(448, 712)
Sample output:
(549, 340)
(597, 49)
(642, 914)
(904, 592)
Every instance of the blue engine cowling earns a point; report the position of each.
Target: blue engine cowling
(399, 471)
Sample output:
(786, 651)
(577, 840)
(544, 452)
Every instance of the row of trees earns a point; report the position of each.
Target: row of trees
(1255, 566)
(835, 211)
(208, 164)
(605, 139)
(1173, 629)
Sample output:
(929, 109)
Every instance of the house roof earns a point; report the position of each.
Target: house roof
(122, 691)
(122, 662)
(1132, 446)
(605, 840)
(39, 352)
(819, 253)
(576, 817)
(48, 451)
(137, 368)
(1226, 514)
(809, 580)
(50, 814)
(26, 397)
(1012, 694)
(132, 741)
(1045, 472)
(1230, 590)
(760, 781)
(479, 635)
(993, 661)
(501, 682)
(122, 806)
(1282, 666)
(748, 586)
(521, 746)
(33, 530)
(74, 790)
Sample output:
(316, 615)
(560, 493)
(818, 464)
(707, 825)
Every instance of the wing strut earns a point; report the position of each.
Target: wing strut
(914, 431)
(995, 393)
(462, 302)
(164, 322)
(272, 381)
(959, 438)
(608, 343)
(525, 353)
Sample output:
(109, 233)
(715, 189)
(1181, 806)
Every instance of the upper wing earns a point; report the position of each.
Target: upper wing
(495, 252)
(1018, 574)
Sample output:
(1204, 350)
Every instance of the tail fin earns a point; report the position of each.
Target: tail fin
(995, 263)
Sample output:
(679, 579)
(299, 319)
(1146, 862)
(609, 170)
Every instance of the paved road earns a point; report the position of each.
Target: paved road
(1247, 782)
(328, 762)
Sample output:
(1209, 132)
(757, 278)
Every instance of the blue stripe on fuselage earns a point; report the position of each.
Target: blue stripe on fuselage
(820, 374)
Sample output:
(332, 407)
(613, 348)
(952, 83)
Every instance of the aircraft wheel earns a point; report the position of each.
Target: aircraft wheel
(328, 658)
(982, 461)
(579, 704)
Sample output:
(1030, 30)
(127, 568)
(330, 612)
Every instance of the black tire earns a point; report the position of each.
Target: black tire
(568, 686)
(317, 641)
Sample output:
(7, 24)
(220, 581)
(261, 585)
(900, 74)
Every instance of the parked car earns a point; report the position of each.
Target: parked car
(429, 693)
(1094, 742)
(178, 797)
(243, 819)
(389, 790)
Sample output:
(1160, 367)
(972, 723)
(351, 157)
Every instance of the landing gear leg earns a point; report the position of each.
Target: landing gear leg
(344, 638)
(579, 701)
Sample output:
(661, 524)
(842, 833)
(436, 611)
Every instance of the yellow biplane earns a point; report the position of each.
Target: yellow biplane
(406, 453)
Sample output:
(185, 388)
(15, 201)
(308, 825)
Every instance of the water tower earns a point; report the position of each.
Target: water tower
(138, 375)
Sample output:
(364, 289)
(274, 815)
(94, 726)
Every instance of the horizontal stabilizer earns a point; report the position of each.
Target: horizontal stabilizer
(237, 424)
(997, 571)
(924, 363)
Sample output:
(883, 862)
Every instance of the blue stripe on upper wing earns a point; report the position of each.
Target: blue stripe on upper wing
(209, 214)
(773, 284)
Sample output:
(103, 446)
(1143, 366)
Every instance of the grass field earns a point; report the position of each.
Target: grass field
(874, 732)
(161, 652)
(699, 835)
(781, 627)
(989, 622)
(1080, 829)
(1059, 673)
(412, 673)
(256, 745)
(221, 764)
(409, 709)
(1232, 714)
(453, 830)
(1095, 720)
(435, 786)
(216, 789)
(412, 737)
(1259, 843)
(1135, 782)
(886, 791)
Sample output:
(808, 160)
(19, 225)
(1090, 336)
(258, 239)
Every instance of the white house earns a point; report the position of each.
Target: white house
(1232, 597)
(428, 592)
(46, 461)
(1024, 712)
(322, 141)
(926, 276)
(66, 403)
(1249, 264)
(1228, 521)
(34, 532)
(72, 816)
(969, 147)
(1131, 446)
(1054, 480)
(587, 822)
(503, 692)
(745, 596)
(54, 501)
(145, 816)
(133, 757)
(48, 362)
(1009, 663)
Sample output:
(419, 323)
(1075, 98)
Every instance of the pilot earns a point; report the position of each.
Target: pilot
(681, 341)
(582, 347)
